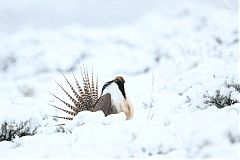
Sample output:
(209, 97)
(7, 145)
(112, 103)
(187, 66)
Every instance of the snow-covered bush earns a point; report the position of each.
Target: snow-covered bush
(226, 96)
(18, 119)
(11, 130)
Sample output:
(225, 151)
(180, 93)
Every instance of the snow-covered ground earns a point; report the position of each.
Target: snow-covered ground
(174, 55)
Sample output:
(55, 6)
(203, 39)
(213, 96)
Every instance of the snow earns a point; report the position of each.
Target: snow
(172, 54)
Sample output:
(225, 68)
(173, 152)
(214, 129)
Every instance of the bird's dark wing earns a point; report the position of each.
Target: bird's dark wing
(104, 103)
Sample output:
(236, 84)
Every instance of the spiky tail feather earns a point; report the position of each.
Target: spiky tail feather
(86, 95)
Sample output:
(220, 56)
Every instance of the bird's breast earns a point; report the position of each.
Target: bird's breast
(116, 94)
(118, 101)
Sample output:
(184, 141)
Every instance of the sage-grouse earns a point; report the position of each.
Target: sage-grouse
(112, 100)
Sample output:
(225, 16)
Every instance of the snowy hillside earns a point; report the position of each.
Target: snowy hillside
(180, 61)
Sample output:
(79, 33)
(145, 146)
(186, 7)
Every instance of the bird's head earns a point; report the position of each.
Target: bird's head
(119, 81)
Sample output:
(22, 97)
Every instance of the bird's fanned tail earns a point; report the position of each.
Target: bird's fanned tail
(85, 97)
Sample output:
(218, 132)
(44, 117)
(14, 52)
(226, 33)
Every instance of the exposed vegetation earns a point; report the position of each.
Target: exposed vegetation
(221, 100)
(9, 131)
